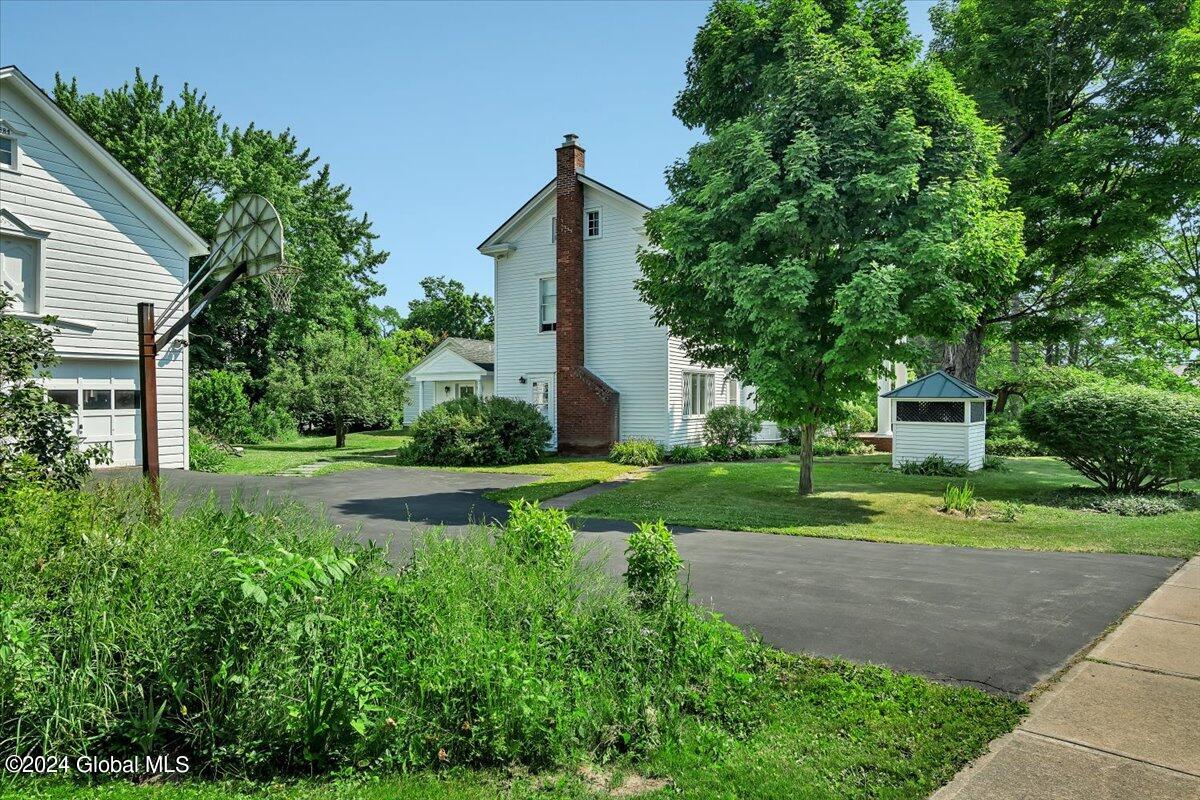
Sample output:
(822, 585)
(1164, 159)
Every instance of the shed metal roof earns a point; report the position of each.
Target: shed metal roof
(939, 385)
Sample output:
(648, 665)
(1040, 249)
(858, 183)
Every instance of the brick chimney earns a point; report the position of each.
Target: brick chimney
(588, 408)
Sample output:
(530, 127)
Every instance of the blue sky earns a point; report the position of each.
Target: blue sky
(441, 117)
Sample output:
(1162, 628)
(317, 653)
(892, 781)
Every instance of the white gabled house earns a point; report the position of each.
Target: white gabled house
(572, 335)
(82, 239)
(454, 368)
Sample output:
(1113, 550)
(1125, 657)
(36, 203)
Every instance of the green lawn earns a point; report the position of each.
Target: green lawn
(364, 449)
(562, 474)
(854, 499)
(828, 730)
(370, 449)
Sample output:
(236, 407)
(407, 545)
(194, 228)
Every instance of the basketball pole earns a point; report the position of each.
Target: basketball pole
(149, 347)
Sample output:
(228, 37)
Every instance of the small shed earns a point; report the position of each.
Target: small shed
(938, 414)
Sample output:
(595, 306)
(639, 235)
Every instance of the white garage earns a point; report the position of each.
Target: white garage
(105, 400)
(82, 240)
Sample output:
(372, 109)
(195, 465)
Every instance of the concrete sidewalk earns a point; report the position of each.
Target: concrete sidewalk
(1122, 723)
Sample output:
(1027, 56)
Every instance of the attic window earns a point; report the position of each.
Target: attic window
(553, 230)
(8, 152)
(592, 223)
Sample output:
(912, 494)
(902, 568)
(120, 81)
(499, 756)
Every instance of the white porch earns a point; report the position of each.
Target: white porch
(445, 375)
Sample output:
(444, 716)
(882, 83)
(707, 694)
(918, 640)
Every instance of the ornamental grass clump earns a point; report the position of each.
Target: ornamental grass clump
(637, 453)
(263, 642)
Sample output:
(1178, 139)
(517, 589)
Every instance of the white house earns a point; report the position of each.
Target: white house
(454, 368)
(82, 239)
(572, 335)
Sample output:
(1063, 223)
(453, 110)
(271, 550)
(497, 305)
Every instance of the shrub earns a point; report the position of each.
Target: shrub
(267, 644)
(1014, 446)
(219, 406)
(959, 499)
(204, 454)
(474, 431)
(687, 454)
(731, 426)
(637, 452)
(773, 451)
(271, 423)
(934, 465)
(1126, 438)
(827, 446)
(1142, 504)
(653, 571)
(723, 452)
(36, 443)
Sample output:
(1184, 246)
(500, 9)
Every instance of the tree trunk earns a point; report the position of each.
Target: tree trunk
(1001, 400)
(806, 459)
(339, 432)
(962, 359)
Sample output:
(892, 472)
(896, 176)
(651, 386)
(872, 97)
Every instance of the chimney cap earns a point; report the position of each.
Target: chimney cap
(570, 140)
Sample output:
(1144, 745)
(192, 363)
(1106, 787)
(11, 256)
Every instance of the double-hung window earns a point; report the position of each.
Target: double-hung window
(548, 304)
(697, 393)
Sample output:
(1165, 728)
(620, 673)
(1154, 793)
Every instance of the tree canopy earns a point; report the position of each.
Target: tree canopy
(196, 164)
(447, 310)
(1098, 103)
(846, 198)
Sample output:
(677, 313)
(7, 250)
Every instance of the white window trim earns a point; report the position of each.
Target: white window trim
(553, 229)
(13, 228)
(7, 131)
(599, 221)
(540, 282)
(709, 393)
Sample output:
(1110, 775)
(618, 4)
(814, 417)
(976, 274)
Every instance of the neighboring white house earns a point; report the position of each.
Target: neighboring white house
(82, 239)
(938, 415)
(455, 368)
(572, 335)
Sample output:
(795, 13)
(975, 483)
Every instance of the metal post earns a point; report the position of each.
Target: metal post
(148, 370)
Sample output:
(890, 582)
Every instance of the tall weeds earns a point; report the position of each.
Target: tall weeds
(265, 643)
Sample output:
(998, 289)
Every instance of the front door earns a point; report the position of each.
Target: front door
(541, 395)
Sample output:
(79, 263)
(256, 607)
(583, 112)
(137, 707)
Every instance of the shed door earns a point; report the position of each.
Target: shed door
(105, 404)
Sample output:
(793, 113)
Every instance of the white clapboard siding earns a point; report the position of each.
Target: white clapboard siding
(915, 441)
(690, 429)
(522, 350)
(975, 445)
(622, 343)
(103, 254)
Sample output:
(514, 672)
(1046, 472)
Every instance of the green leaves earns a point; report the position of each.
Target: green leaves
(846, 198)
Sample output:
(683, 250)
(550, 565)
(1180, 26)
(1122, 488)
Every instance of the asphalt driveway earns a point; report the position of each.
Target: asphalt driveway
(999, 619)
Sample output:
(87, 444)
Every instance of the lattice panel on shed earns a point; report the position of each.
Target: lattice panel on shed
(928, 411)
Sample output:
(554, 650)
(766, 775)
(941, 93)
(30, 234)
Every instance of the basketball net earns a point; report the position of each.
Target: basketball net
(280, 281)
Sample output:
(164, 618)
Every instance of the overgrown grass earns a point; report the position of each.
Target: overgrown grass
(363, 450)
(857, 499)
(265, 644)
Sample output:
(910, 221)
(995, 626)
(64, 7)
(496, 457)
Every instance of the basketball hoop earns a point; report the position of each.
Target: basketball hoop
(280, 282)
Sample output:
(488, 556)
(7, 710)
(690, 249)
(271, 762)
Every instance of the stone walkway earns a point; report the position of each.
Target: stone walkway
(1122, 723)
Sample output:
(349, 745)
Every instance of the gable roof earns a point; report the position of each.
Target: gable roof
(480, 352)
(12, 79)
(540, 195)
(940, 385)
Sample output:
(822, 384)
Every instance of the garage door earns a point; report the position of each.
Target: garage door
(104, 400)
